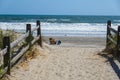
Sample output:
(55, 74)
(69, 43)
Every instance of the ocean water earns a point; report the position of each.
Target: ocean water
(61, 25)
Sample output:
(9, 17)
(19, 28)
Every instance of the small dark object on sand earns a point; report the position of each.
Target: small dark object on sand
(58, 42)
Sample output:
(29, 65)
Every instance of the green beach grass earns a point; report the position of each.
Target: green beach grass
(4, 33)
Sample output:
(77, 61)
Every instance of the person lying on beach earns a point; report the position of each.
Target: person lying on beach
(53, 41)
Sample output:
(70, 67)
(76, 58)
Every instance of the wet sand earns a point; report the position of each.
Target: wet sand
(85, 41)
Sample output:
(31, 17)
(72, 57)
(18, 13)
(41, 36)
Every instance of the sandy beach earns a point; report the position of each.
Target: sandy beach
(78, 41)
(81, 39)
(75, 59)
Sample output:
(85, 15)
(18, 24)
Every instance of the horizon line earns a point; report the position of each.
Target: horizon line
(61, 14)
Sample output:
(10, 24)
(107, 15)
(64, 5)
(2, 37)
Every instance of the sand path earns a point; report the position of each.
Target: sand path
(66, 63)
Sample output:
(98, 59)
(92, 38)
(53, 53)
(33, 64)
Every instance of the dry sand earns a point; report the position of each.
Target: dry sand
(80, 41)
(61, 62)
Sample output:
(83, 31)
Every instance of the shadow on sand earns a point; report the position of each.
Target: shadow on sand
(112, 63)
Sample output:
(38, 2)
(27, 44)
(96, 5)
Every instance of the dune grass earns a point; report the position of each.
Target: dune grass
(3, 33)
(112, 49)
(10, 33)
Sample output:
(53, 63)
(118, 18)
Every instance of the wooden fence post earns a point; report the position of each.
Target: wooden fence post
(118, 42)
(39, 33)
(7, 56)
(108, 33)
(29, 38)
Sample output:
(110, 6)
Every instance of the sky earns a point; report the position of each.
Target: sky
(60, 7)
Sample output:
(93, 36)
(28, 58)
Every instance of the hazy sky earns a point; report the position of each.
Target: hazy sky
(60, 7)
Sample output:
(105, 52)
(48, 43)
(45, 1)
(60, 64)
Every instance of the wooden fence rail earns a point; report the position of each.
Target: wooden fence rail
(9, 60)
(113, 38)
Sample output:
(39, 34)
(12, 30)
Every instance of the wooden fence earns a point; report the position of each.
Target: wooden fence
(10, 60)
(113, 37)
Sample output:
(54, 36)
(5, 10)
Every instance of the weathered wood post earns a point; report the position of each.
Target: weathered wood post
(39, 33)
(7, 56)
(108, 33)
(118, 43)
(29, 38)
(1, 35)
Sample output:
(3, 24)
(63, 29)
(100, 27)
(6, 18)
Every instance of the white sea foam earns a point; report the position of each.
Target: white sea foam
(62, 29)
(51, 20)
(16, 26)
(65, 19)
